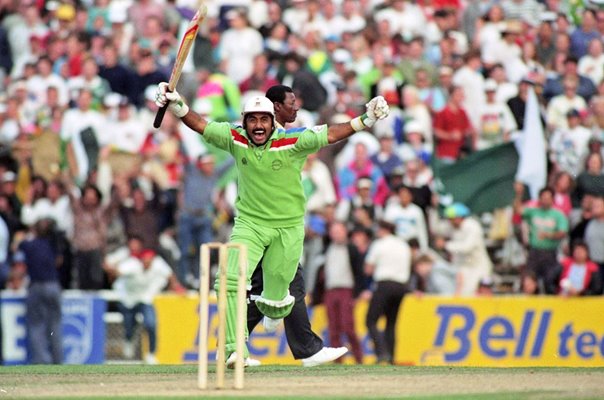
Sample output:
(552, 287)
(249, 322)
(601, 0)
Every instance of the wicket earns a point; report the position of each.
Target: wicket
(204, 310)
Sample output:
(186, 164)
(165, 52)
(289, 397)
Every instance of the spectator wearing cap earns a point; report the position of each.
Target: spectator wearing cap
(386, 159)
(408, 218)
(238, 46)
(452, 128)
(485, 287)
(496, 120)
(9, 189)
(388, 261)
(467, 248)
(140, 275)
(507, 52)
(333, 80)
(128, 133)
(414, 147)
(414, 109)
(568, 145)
(560, 105)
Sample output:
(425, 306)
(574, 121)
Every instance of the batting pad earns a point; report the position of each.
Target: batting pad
(276, 309)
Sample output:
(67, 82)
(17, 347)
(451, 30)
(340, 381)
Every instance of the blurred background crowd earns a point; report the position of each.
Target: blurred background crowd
(77, 148)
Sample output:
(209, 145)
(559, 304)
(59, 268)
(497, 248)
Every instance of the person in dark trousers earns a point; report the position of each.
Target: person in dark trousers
(389, 262)
(304, 344)
(43, 315)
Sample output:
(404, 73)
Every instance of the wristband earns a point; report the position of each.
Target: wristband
(180, 109)
(357, 123)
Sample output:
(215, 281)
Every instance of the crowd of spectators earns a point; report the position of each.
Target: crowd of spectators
(77, 84)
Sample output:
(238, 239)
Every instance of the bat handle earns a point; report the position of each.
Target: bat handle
(160, 116)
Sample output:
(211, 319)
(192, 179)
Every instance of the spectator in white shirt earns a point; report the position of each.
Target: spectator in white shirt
(140, 275)
(569, 146)
(560, 105)
(407, 217)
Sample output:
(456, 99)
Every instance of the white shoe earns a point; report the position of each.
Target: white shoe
(325, 355)
(150, 359)
(270, 325)
(128, 350)
(247, 362)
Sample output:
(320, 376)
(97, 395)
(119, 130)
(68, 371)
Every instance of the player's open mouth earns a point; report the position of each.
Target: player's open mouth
(259, 134)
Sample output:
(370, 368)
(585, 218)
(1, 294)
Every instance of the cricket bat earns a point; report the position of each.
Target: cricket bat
(183, 51)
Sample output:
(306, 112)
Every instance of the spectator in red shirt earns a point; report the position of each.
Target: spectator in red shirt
(452, 128)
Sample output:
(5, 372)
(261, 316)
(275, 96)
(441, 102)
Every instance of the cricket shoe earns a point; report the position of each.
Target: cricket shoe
(247, 362)
(270, 325)
(325, 355)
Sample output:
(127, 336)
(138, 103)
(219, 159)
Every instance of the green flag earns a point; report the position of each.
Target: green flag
(483, 181)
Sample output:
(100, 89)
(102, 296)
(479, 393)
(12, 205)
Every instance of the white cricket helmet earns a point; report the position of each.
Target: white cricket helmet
(258, 104)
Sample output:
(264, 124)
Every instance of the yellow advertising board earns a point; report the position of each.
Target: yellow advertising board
(501, 331)
(178, 325)
(483, 331)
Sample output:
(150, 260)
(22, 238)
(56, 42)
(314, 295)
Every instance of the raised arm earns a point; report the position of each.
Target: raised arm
(377, 108)
(180, 109)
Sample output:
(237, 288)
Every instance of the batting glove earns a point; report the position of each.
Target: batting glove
(176, 104)
(377, 109)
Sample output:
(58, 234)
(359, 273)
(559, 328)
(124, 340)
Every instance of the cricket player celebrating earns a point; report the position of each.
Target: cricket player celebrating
(270, 204)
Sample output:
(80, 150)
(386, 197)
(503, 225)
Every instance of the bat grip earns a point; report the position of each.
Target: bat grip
(160, 116)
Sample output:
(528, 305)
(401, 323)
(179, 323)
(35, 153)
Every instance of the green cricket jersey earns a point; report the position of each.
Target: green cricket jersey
(270, 190)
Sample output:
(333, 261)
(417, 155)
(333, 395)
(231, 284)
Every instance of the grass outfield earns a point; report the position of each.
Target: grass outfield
(120, 382)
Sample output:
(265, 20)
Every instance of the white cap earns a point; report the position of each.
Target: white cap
(117, 13)
(341, 56)
(9, 176)
(150, 92)
(112, 99)
(413, 126)
(490, 85)
(258, 104)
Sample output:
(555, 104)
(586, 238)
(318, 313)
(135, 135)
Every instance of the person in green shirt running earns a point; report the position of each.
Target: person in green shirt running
(270, 202)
